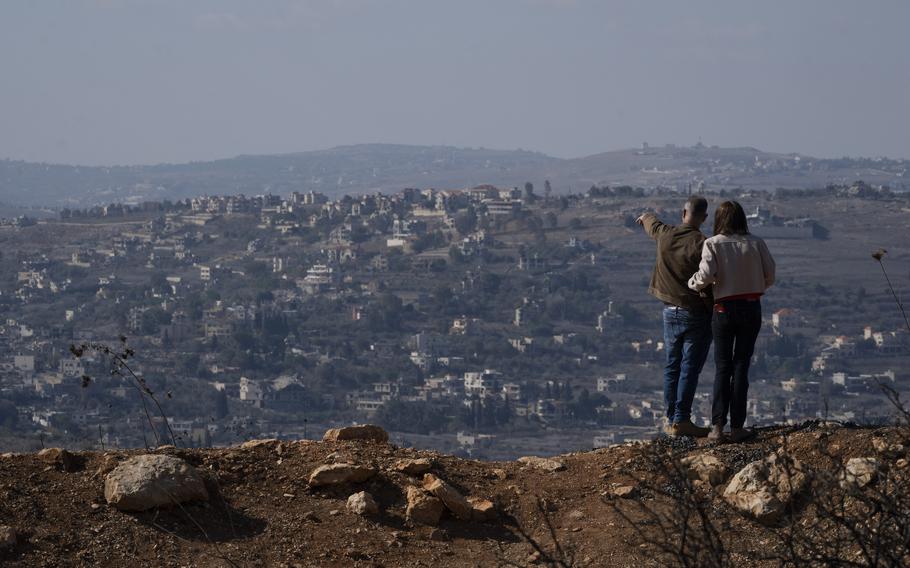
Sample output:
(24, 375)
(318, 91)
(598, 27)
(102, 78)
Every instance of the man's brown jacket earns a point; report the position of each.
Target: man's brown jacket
(678, 254)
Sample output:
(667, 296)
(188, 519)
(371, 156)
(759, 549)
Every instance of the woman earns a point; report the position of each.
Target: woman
(740, 268)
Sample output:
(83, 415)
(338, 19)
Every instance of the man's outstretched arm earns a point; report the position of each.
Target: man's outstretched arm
(652, 225)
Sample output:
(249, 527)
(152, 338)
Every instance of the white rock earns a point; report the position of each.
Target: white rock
(253, 444)
(706, 468)
(153, 480)
(624, 491)
(545, 464)
(423, 508)
(764, 488)
(482, 510)
(450, 497)
(65, 459)
(414, 466)
(859, 472)
(888, 450)
(362, 503)
(339, 473)
(367, 432)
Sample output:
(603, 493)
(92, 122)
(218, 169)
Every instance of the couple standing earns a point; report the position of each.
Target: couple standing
(710, 287)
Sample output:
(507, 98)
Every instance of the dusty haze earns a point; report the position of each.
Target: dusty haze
(130, 81)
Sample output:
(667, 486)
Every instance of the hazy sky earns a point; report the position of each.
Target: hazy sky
(145, 81)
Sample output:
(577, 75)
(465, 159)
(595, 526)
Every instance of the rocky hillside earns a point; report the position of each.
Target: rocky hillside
(818, 493)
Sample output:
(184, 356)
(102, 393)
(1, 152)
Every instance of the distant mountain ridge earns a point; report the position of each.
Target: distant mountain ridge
(367, 168)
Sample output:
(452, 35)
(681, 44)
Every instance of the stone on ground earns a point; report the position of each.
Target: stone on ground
(368, 432)
(362, 503)
(340, 473)
(706, 468)
(546, 464)
(450, 497)
(414, 466)
(859, 472)
(624, 491)
(765, 488)
(482, 510)
(252, 444)
(153, 480)
(423, 508)
(888, 450)
(108, 463)
(66, 460)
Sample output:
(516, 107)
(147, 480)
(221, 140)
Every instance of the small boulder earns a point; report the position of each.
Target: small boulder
(624, 491)
(253, 444)
(423, 508)
(450, 497)
(336, 457)
(414, 467)
(362, 503)
(340, 473)
(888, 450)
(107, 465)
(764, 488)
(64, 459)
(706, 468)
(7, 537)
(153, 480)
(482, 510)
(859, 472)
(368, 432)
(546, 464)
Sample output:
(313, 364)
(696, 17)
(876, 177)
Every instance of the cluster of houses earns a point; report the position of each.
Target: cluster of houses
(352, 239)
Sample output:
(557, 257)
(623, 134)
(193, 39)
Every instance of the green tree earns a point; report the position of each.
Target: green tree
(221, 405)
(9, 415)
(466, 221)
(386, 313)
(551, 220)
(455, 255)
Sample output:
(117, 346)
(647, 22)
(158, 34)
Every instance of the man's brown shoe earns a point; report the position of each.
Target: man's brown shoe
(717, 433)
(686, 428)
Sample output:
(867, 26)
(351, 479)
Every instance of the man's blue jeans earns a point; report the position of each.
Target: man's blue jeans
(687, 339)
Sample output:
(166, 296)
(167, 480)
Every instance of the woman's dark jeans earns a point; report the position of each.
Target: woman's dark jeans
(735, 325)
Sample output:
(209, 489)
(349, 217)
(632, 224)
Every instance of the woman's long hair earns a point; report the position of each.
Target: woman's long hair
(730, 219)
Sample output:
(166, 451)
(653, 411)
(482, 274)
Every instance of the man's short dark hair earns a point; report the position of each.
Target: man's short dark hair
(697, 205)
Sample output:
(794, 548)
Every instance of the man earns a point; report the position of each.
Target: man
(686, 314)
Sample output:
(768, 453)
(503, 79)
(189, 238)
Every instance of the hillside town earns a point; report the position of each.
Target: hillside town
(488, 321)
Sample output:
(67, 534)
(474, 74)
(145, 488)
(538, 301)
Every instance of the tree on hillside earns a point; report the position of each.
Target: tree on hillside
(466, 221)
(551, 220)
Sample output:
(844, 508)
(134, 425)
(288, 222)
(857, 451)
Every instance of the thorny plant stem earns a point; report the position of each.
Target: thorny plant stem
(893, 293)
(147, 392)
(148, 416)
